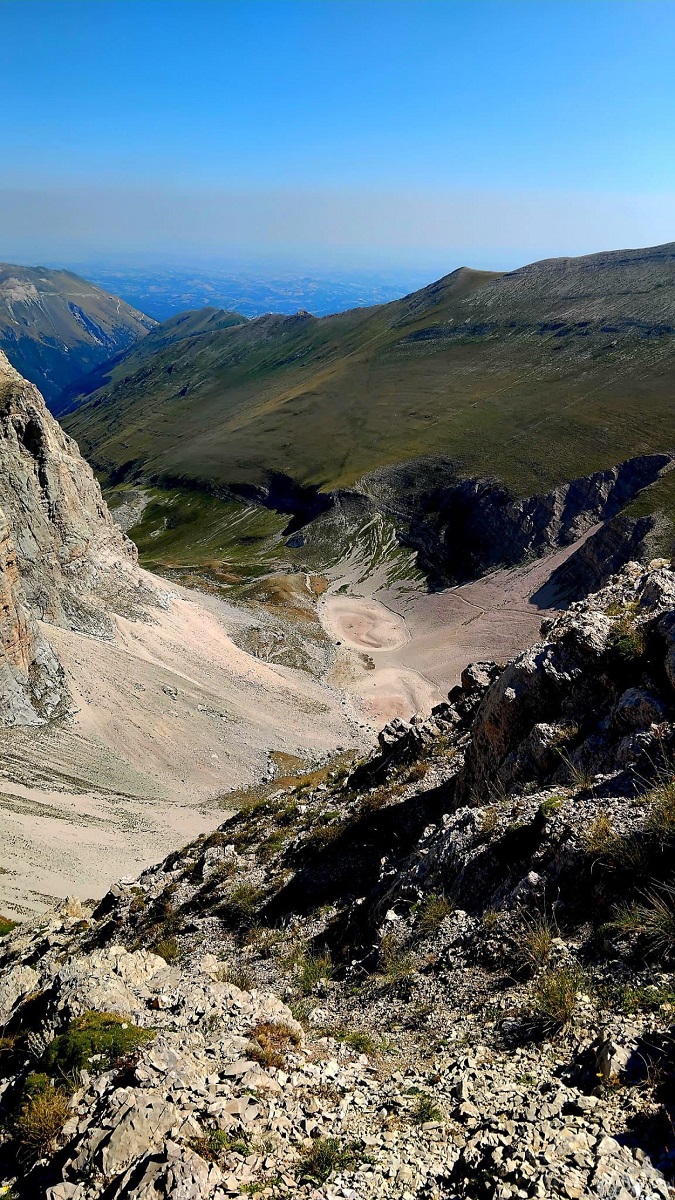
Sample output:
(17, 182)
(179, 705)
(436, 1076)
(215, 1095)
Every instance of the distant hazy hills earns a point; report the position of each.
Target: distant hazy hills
(166, 290)
(56, 327)
(536, 376)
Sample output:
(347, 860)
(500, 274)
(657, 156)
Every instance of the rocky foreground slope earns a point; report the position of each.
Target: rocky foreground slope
(442, 971)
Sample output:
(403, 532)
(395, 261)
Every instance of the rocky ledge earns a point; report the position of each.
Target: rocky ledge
(443, 971)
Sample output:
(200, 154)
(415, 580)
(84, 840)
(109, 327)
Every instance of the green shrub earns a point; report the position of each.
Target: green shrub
(602, 841)
(551, 804)
(357, 1039)
(313, 968)
(6, 925)
(426, 1110)
(537, 941)
(104, 1036)
(241, 904)
(241, 977)
(433, 910)
(216, 1144)
(167, 948)
(555, 996)
(489, 820)
(40, 1121)
(325, 1156)
(660, 822)
(653, 916)
(491, 919)
(626, 638)
(395, 961)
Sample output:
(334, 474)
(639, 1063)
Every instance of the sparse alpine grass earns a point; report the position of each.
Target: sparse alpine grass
(554, 996)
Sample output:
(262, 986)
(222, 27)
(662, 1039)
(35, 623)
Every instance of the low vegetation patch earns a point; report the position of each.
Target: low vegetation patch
(537, 941)
(325, 1156)
(217, 1144)
(432, 911)
(312, 969)
(555, 995)
(43, 1113)
(426, 1110)
(270, 1041)
(105, 1037)
(395, 960)
(167, 948)
(6, 925)
(653, 916)
(239, 976)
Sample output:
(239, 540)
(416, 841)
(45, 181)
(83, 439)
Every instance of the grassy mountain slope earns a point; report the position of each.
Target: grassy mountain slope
(177, 328)
(546, 373)
(55, 326)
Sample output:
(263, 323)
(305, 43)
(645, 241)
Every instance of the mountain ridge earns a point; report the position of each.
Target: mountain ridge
(533, 378)
(56, 326)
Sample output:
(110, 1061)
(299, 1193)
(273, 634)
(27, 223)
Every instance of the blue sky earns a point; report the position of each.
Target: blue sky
(357, 130)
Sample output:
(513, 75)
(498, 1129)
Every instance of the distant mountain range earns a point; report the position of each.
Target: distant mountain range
(163, 291)
(56, 327)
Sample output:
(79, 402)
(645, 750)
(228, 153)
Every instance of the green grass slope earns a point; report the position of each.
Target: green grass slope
(56, 327)
(537, 376)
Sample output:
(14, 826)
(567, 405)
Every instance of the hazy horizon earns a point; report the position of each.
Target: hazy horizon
(416, 135)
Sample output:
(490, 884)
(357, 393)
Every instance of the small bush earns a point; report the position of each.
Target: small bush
(601, 840)
(426, 1110)
(431, 913)
(551, 804)
(357, 1039)
(417, 772)
(537, 942)
(491, 920)
(555, 996)
(240, 977)
(6, 926)
(241, 904)
(630, 998)
(660, 822)
(264, 940)
(271, 846)
(580, 774)
(325, 1156)
(216, 1144)
(489, 820)
(40, 1121)
(104, 1036)
(654, 916)
(168, 949)
(627, 639)
(271, 1042)
(313, 968)
(395, 961)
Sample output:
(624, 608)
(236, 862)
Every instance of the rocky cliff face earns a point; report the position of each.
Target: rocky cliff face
(460, 528)
(62, 559)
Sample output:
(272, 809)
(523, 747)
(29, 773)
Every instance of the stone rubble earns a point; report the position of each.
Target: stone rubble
(417, 1056)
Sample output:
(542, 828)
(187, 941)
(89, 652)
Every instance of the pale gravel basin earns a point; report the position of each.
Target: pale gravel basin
(409, 647)
(170, 715)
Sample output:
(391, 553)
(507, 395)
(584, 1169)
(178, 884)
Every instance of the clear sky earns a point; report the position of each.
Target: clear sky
(340, 131)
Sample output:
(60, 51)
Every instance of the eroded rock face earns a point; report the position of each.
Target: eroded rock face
(62, 559)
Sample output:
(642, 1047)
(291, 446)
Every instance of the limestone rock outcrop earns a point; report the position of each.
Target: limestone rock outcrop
(63, 561)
